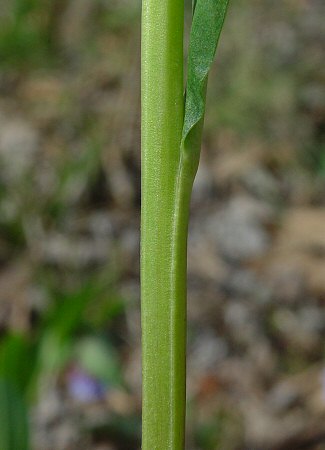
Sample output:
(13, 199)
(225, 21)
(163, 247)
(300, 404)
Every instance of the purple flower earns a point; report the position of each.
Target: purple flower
(84, 387)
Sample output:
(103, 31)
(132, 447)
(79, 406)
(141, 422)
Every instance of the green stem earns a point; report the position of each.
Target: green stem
(170, 156)
(163, 227)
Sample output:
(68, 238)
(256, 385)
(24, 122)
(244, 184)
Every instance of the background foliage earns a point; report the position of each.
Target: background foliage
(69, 219)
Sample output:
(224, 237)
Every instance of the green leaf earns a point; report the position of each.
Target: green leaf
(13, 418)
(61, 326)
(68, 313)
(208, 19)
(17, 361)
(54, 352)
(17, 367)
(100, 359)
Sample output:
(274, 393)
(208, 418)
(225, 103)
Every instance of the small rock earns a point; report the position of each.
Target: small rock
(288, 286)
(312, 319)
(242, 322)
(19, 144)
(245, 284)
(282, 397)
(207, 351)
(289, 325)
(238, 230)
(261, 183)
(58, 249)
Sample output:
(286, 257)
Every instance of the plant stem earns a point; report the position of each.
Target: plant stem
(163, 227)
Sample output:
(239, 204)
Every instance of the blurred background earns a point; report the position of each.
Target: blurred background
(70, 375)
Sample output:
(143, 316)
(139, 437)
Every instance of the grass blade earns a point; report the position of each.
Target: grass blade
(16, 369)
(13, 418)
(208, 19)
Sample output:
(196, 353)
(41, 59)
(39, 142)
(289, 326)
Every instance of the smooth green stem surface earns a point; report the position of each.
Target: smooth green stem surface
(171, 141)
(163, 227)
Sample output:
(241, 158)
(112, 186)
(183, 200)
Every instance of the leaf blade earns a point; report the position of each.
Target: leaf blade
(14, 418)
(208, 19)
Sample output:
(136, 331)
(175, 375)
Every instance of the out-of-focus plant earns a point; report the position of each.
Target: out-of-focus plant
(171, 140)
(17, 364)
(24, 31)
(65, 333)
